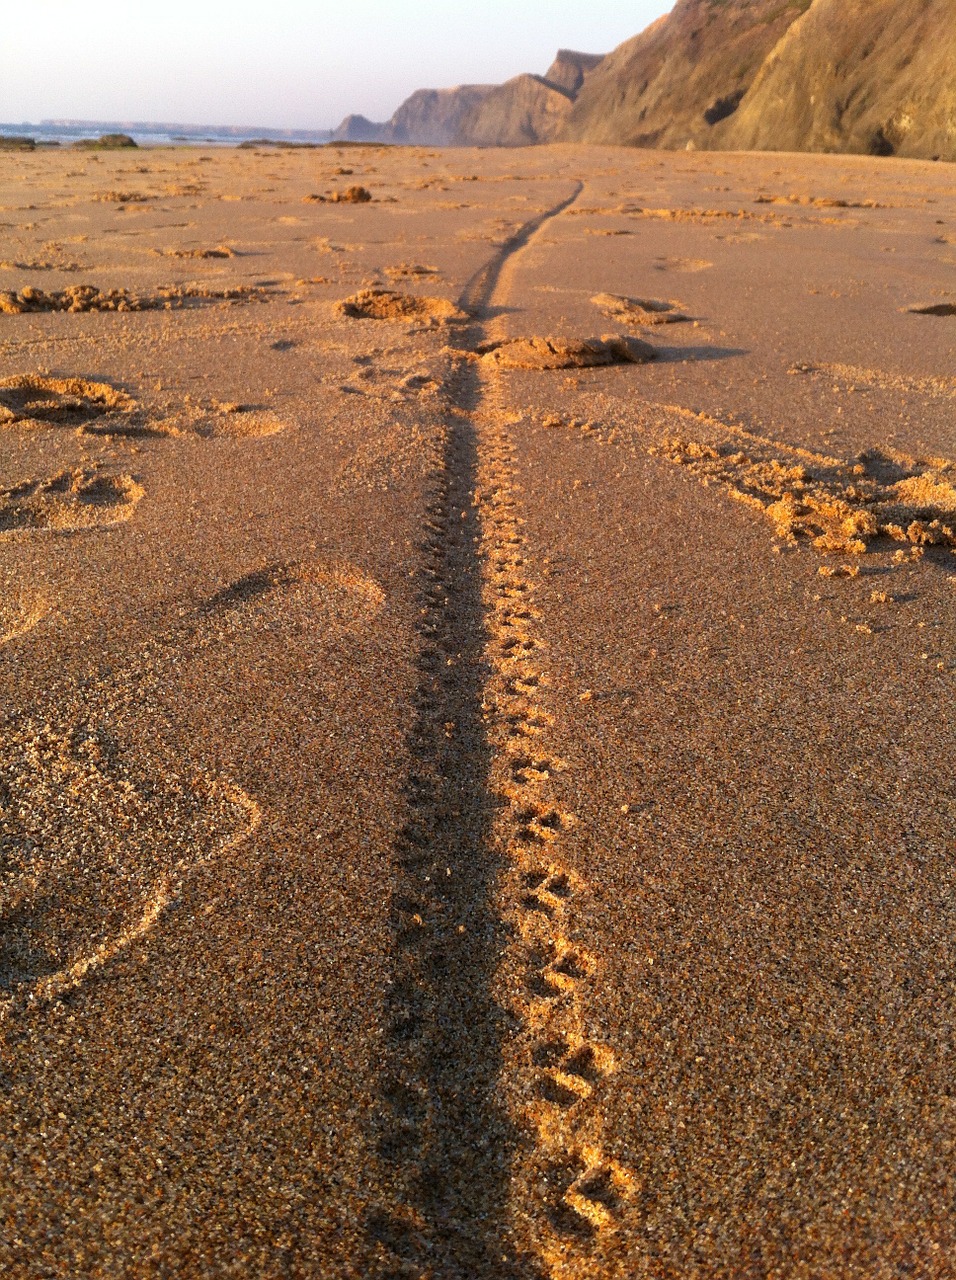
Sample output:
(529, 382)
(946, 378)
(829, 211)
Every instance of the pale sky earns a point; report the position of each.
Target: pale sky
(282, 64)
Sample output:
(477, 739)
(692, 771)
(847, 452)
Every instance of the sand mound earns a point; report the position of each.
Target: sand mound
(240, 421)
(566, 353)
(645, 311)
(85, 498)
(29, 397)
(386, 304)
(85, 297)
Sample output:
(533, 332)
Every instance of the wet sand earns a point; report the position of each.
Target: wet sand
(476, 671)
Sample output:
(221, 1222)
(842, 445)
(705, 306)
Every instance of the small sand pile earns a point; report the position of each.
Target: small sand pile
(84, 498)
(351, 195)
(386, 304)
(820, 202)
(85, 297)
(31, 398)
(220, 251)
(566, 353)
(645, 311)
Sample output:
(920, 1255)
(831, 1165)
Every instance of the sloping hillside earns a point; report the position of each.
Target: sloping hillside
(873, 76)
(671, 84)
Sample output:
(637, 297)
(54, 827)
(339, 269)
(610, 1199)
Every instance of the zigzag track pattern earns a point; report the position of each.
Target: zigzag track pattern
(490, 1138)
(577, 1189)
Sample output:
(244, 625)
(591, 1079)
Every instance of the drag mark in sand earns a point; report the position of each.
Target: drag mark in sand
(485, 1115)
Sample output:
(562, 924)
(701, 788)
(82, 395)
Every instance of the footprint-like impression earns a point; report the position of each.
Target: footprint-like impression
(642, 311)
(95, 846)
(96, 842)
(73, 501)
(388, 304)
(30, 399)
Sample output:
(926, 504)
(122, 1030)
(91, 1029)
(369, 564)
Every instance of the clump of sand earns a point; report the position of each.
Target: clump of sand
(351, 195)
(387, 304)
(643, 311)
(122, 197)
(566, 353)
(219, 251)
(85, 297)
(407, 270)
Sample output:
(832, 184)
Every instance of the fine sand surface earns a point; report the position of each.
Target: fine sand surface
(476, 678)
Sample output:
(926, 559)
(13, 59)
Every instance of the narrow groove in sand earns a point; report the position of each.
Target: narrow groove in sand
(484, 1184)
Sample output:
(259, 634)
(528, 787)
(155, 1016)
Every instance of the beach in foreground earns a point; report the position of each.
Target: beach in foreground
(477, 668)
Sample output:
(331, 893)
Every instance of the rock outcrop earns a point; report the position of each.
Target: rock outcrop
(570, 69)
(434, 117)
(874, 76)
(357, 129)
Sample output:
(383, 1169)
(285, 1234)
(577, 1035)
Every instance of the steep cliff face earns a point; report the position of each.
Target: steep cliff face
(874, 76)
(670, 85)
(518, 113)
(522, 111)
(434, 117)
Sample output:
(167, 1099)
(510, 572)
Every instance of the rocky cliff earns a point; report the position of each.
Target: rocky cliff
(671, 84)
(570, 69)
(874, 76)
(520, 112)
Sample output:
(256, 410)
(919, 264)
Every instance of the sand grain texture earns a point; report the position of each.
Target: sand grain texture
(475, 796)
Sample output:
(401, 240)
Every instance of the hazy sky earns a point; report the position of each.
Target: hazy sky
(286, 63)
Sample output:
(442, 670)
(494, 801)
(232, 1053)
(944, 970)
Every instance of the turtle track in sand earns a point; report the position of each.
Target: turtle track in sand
(486, 1120)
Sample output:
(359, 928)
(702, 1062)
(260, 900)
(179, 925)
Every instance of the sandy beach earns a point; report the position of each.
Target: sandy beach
(477, 655)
